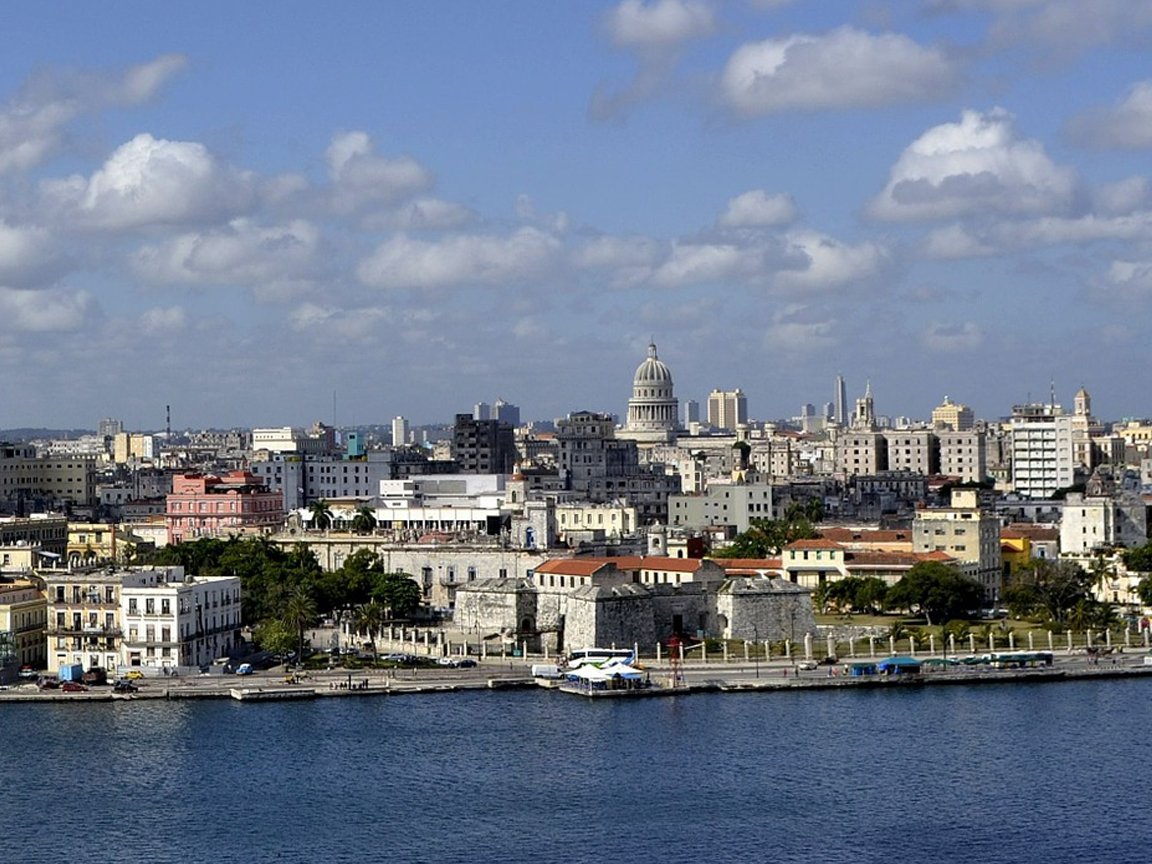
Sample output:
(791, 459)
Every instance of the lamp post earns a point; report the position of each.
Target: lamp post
(756, 657)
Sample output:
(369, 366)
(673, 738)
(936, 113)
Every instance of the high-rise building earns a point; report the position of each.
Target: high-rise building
(841, 415)
(483, 446)
(691, 412)
(506, 412)
(1042, 452)
(958, 418)
(399, 431)
(727, 409)
(482, 411)
(109, 427)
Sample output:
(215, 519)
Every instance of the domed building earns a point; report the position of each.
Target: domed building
(652, 410)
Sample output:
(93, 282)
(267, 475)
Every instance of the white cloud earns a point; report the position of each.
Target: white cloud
(361, 178)
(163, 320)
(150, 181)
(655, 33)
(1124, 282)
(32, 123)
(634, 23)
(53, 311)
(829, 263)
(329, 322)
(845, 68)
(1126, 126)
(613, 252)
(242, 253)
(950, 338)
(403, 262)
(976, 165)
(28, 255)
(759, 209)
(695, 263)
(423, 214)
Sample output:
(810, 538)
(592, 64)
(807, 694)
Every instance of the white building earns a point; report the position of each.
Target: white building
(963, 455)
(652, 410)
(172, 620)
(722, 504)
(1091, 523)
(727, 409)
(965, 531)
(399, 431)
(1042, 451)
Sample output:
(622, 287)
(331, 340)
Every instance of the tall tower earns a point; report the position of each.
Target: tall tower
(841, 415)
(399, 431)
(865, 417)
(1082, 403)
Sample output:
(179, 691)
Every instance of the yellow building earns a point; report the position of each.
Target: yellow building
(132, 445)
(955, 416)
(93, 543)
(23, 619)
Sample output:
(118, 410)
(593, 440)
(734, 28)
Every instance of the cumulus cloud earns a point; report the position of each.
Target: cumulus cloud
(361, 177)
(950, 338)
(1125, 126)
(655, 33)
(482, 259)
(977, 165)
(1123, 282)
(759, 209)
(163, 320)
(28, 255)
(241, 253)
(423, 214)
(955, 241)
(846, 68)
(152, 181)
(829, 263)
(330, 322)
(54, 311)
(33, 122)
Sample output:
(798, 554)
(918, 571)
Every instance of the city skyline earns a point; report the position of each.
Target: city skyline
(421, 208)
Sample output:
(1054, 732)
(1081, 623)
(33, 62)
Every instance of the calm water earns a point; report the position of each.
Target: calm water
(1030, 773)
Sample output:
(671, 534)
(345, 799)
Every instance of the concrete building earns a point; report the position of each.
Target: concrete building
(1094, 523)
(841, 408)
(46, 531)
(302, 478)
(399, 432)
(652, 409)
(129, 446)
(506, 412)
(963, 455)
(1042, 452)
(951, 415)
(23, 616)
(204, 505)
(483, 446)
(967, 532)
(731, 504)
(284, 439)
(170, 620)
(861, 451)
(813, 563)
(109, 427)
(727, 409)
(83, 623)
(913, 450)
(27, 479)
(580, 521)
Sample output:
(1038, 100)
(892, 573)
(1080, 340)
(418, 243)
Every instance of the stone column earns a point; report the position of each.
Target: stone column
(1069, 634)
(636, 652)
(951, 643)
(1031, 644)
(1011, 640)
(787, 649)
(1088, 638)
(912, 645)
(1108, 638)
(1127, 638)
(891, 645)
(992, 642)
(658, 646)
(725, 644)
(831, 646)
(1051, 641)
(971, 643)
(746, 657)
(807, 646)
(872, 646)
(931, 643)
(524, 649)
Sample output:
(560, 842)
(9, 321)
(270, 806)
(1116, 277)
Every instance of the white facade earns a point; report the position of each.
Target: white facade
(607, 520)
(399, 431)
(172, 621)
(1042, 451)
(652, 410)
(1089, 523)
(722, 504)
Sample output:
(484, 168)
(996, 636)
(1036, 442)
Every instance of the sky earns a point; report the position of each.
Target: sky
(271, 214)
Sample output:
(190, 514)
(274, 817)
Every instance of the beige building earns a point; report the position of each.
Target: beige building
(59, 479)
(23, 613)
(951, 415)
(963, 455)
(861, 451)
(913, 450)
(127, 446)
(727, 409)
(964, 531)
(83, 618)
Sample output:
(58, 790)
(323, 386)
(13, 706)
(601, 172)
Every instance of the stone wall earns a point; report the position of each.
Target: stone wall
(764, 609)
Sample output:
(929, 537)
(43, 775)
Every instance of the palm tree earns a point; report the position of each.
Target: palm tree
(370, 619)
(321, 515)
(364, 522)
(299, 614)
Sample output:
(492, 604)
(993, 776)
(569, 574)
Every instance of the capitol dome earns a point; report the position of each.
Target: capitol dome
(652, 371)
(652, 409)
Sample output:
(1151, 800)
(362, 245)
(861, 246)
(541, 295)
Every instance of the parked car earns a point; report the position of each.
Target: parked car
(48, 683)
(95, 676)
(808, 665)
(244, 669)
(445, 661)
(123, 686)
(133, 674)
(465, 663)
(73, 687)
(27, 672)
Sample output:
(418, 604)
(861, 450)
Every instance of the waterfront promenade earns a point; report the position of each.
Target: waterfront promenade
(731, 677)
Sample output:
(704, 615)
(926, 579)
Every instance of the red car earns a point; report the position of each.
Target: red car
(72, 687)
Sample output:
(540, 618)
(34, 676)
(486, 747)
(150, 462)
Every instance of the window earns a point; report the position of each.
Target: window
(132, 610)
(150, 606)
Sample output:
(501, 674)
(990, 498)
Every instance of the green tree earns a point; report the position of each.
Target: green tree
(1138, 559)
(369, 619)
(399, 593)
(364, 522)
(938, 591)
(299, 614)
(274, 636)
(321, 515)
(1144, 589)
(1050, 589)
(766, 537)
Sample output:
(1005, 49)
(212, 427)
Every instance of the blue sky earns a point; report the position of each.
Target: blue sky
(237, 209)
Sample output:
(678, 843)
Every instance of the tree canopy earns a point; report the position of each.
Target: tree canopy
(1048, 589)
(766, 537)
(940, 592)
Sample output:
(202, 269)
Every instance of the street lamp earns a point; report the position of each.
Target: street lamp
(756, 656)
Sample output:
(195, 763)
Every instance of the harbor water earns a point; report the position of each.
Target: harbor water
(1013, 773)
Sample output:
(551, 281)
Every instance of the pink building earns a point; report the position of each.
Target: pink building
(204, 505)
